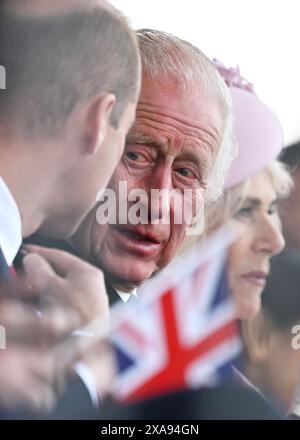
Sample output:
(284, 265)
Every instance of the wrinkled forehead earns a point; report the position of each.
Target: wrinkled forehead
(170, 97)
(166, 115)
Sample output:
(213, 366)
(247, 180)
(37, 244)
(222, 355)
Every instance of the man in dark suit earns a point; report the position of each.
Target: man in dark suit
(73, 76)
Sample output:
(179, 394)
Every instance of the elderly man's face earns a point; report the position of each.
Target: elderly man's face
(172, 145)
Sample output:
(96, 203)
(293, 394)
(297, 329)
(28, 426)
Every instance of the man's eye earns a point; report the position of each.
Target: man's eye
(133, 156)
(185, 172)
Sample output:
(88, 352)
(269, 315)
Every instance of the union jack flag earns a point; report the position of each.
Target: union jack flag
(181, 332)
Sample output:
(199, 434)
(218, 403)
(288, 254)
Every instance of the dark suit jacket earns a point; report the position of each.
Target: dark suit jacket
(223, 402)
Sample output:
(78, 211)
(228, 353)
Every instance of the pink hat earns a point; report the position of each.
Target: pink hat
(257, 128)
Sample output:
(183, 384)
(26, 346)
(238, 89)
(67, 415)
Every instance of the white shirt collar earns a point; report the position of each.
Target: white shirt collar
(126, 295)
(10, 224)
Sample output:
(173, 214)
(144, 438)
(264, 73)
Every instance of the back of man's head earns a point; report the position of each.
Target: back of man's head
(58, 54)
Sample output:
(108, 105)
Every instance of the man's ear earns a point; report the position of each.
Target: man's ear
(257, 335)
(98, 121)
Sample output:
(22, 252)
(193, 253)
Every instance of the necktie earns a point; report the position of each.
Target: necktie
(5, 274)
(8, 284)
(111, 292)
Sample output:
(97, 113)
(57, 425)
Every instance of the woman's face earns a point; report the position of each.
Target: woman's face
(260, 239)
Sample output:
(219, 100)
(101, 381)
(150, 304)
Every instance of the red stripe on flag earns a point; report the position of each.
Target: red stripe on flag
(172, 376)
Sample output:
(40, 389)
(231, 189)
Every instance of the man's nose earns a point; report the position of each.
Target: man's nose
(159, 192)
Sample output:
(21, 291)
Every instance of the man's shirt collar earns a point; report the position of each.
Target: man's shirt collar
(10, 224)
(126, 295)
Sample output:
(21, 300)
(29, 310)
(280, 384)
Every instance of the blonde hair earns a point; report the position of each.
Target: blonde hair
(217, 213)
(280, 177)
(223, 210)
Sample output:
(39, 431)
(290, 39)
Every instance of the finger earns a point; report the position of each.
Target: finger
(30, 396)
(62, 262)
(26, 378)
(24, 325)
(50, 372)
(39, 272)
(38, 395)
(17, 288)
(44, 283)
(78, 343)
(61, 321)
(39, 371)
(20, 323)
(44, 397)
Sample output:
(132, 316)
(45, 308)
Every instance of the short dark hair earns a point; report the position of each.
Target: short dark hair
(291, 156)
(281, 296)
(54, 62)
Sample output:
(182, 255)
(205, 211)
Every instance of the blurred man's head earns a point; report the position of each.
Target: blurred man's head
(181, 140)
(290, 208)
(73, 78)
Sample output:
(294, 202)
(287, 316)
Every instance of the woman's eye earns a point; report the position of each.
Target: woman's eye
(273, 210)
(247, 211)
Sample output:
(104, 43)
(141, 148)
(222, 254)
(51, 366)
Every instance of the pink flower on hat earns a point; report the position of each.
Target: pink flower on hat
(232, 77)
(257, 129)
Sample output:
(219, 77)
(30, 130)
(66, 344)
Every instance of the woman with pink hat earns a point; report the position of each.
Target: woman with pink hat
(255, 183)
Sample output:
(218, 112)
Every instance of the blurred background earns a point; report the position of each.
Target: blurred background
(261, 36)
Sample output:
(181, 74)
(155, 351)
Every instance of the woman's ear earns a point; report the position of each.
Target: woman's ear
(257, 337)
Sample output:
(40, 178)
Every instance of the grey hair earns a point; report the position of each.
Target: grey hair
(164, 55)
